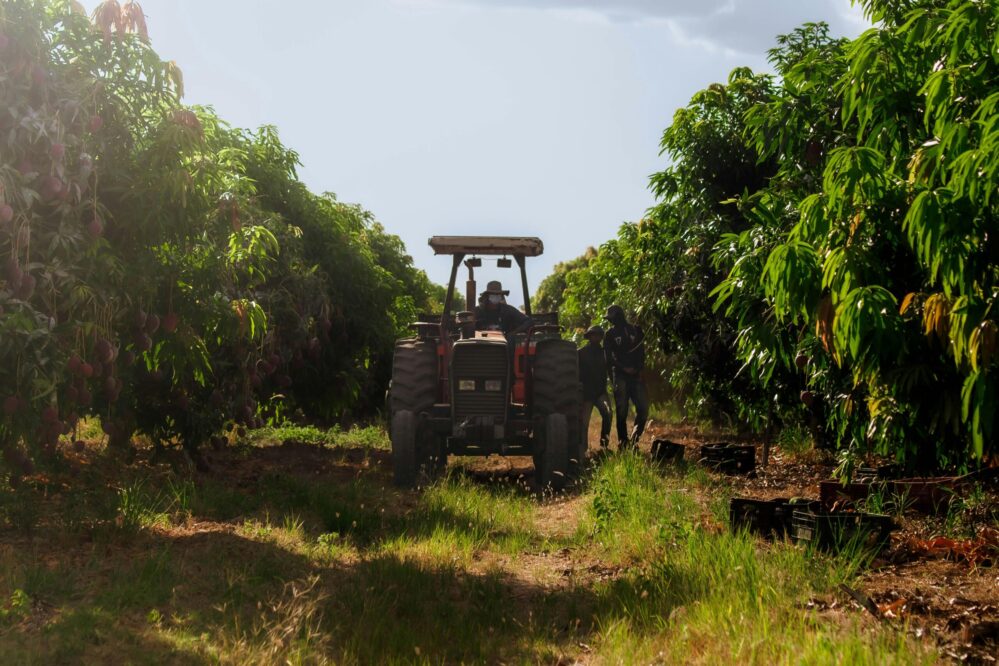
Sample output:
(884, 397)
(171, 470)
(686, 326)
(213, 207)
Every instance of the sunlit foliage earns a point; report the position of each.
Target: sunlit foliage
(162, 269)
(824, 247)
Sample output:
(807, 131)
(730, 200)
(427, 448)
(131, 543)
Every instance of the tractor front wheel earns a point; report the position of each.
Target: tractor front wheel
(416, 450)
(405, 461)
(551, 463)
(417, 454)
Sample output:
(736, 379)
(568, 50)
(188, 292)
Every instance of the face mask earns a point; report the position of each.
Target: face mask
(495, 299)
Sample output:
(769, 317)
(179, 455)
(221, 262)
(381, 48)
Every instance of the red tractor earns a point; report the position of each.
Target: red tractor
(460, 389)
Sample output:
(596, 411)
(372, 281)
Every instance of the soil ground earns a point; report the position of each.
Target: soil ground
(935, 597)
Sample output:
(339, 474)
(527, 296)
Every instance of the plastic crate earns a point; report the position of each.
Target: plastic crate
(784, 513)
(665, 451)
(928, 495)
(768, 518)
(729, 458)
(758, 516)
(879, 472)
(833, 531)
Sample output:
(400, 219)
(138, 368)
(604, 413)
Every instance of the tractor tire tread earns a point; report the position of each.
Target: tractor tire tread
(414, 376)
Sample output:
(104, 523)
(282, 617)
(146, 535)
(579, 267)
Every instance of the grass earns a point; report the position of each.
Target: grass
(368, 437)
(287, 565)
(457, 519)
(795, 440)
(882, 499)
(699, 592)
(967, 513)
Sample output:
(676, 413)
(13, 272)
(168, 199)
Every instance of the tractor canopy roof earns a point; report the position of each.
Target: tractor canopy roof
(526, 247)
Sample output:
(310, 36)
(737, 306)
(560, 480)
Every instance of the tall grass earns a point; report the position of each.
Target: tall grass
(704, 594)
(632, 513)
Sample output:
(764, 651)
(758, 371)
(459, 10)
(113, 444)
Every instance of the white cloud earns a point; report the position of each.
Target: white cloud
(728, 26)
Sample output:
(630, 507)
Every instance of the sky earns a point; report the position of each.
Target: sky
(481, 117)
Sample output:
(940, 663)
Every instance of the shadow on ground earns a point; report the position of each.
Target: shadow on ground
(179, 593)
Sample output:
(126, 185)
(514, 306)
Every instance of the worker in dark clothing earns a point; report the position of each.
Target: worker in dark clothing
(625, 348)
(593, 375)
(496, 315)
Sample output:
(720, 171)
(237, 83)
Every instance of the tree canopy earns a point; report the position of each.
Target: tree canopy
(823, 247)
(162, 269)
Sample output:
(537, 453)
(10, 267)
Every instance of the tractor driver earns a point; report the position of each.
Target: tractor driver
(495, 315)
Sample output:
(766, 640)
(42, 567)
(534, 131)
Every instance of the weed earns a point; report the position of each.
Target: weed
(968, 511)
(89, 429)
(181, 493)
(288, 631)
(329, 540)
(795, 440)
(16, 608)
(293, 525)
(139, 507)
(275, 435)
(257, 530)
(331, 547)
(882, 499)
(369, 437)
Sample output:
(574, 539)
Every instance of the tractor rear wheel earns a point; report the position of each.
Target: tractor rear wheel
(557, 391)
(551, 464)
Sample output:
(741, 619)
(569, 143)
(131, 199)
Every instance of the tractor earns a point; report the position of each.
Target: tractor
(460, 389)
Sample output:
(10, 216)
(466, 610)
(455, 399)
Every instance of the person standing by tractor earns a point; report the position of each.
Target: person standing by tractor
(625, 348)
(593, 375)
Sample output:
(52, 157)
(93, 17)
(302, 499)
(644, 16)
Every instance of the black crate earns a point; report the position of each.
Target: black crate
(784, 513)
(729, 458)
(665, 451)
(769, 518)
(879, 472)
(833, 531)
(756, 515)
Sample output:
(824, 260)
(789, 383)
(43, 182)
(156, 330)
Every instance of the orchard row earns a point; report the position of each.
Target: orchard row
(163, 270)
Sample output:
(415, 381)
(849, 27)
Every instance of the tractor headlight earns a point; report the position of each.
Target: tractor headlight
(466, 384)
(494, 385)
